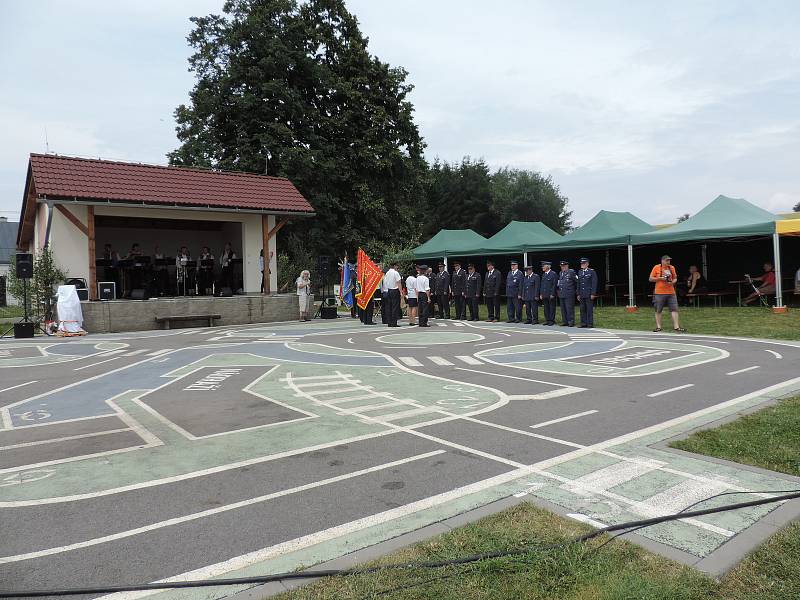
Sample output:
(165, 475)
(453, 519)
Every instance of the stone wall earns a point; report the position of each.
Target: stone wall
(139, 315)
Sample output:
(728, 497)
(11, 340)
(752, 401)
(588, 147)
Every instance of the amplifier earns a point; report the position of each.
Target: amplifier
(23, 330)
(83, 293)
(107, 290)
(137, 294)
(328, 312)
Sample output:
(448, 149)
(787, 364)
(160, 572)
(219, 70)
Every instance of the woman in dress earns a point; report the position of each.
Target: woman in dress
(304, 294)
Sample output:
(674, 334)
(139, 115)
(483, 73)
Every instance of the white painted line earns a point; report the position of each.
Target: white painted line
(470, 360)
(355, 398)
(683, 494)
(19, 385)
(214, 511)
(336, 391)
(96, 364)
(610, 476)
(344, 380)
(775, 354)
(135, 352)
(457, 324)
(64, 439)
(743, 370)
(489, 343)
(441, 324)
(559, 420)
(587, 520)
(674, 389)
(406, 413)
(109, 353)
(160, 352)
(561, 385)
(553, 393)
(410, 361)
(360, 409)
(438, 360)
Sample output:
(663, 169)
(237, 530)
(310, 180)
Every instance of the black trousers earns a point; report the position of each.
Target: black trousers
(461, 308)
(587, 312)
(567, 310)
(493, 306)
(514, 309)
(225, 278)
(391, 306)
(384, 308)
(424, 308)
(444, 305)
(473, 308)
(532, 310)
(366, 314)
(549, 306)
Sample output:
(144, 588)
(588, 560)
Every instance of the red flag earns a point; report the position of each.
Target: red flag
(369, 278)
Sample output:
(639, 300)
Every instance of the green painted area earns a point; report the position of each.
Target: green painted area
(429, 338)
(523, 348)
(313, 348)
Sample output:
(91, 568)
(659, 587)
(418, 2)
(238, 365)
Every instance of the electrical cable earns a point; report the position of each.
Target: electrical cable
(367, 570)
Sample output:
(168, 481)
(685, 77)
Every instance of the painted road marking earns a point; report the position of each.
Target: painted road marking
(408, 413)
(369, 407)
(135, 352)
(611, 476)
(457, 324)
(743, 370)
(775, 354)
(571, 389)
(567, 418)
(216, 510)
(470, 360)
(160, 352)
(64, 439)
(19, 385)
(340, 390)
(438, 360)
(109, 353)
(97, 363)
(441, 324)
(370, 396)
(685, 493)
(667, 391)
(326, 383)
(410, 361)
(588, 520)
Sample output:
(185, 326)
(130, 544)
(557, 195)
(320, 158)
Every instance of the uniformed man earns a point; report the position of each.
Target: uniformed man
(443, 292)
(587, 292)
(530, 295)
(547, 292)
(432, 294)
(514, 293)
(458, 284)
(473, 291)
(567, 292)
(423, 294)
(491, 290)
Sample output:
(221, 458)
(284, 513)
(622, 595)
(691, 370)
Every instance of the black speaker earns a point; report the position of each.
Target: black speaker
(328, 312)
(137, 294)
(24, 265)
(24, 329)
(107, 290)
(225, 292)
(83, 293)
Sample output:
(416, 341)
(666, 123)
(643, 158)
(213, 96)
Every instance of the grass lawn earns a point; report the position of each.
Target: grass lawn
(618, 571)
(7, 312)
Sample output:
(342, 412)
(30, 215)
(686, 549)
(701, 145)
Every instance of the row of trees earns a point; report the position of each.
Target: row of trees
(289, 88)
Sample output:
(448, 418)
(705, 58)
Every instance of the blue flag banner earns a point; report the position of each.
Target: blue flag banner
(347, 282)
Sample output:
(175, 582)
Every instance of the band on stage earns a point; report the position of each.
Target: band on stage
(147, 276)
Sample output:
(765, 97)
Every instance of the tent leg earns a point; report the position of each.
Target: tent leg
(445, 262)
(776, 248)
(631, 300)
(704, 259)
(525, 259)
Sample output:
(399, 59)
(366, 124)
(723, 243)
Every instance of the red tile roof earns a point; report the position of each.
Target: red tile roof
(57, 176)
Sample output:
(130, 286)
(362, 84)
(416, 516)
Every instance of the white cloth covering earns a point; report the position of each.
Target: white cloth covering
(68, 305)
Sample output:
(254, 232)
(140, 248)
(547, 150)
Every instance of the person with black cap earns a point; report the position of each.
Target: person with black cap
(547, 292)
(458, 284)
(432, 293)
(442, 291)
(587, 292)
(491, 290)
(567, 293)
(530, 295)
(473, 291)
(423, 293)
(514, 293)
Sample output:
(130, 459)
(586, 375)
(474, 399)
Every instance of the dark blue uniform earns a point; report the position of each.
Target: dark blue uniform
(547, 293)
(530, 296)
(567, 291)
(587, 287)
(491, 289)
(513, 293)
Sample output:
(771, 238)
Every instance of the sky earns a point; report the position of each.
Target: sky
(650, 107)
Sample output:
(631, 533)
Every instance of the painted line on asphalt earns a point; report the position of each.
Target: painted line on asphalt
(470, 360)
(410, 361)
(670, 390)
(96, 364)
(489, 343)
(562, 419)
(561, 385)
(775, 354)
(64, 439)
(216, 510)
(743, 370)
(19, 385)
(588, 520)
(135, 352)
(160, 352)
(438, 360)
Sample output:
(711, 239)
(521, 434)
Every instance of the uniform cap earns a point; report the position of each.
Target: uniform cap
(514, 262)
(583, 260)
(564, 262)
(422, 267)
(529, 267)
(546, 262)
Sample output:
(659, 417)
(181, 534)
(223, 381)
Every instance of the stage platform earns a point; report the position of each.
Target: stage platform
(114, 316)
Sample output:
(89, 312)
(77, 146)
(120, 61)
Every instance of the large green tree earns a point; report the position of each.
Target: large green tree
(521, 195)
(290, 88)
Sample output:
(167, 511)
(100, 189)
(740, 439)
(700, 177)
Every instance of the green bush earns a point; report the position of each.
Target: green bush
(46, 276)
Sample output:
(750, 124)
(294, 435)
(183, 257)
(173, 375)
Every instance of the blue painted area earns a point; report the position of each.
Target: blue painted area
(572, 351)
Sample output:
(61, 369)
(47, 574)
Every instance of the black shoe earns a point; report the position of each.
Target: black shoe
(563, 325)
(426, 325)
(535, 323)
(394, 325)
(583, 326)
(528, 322)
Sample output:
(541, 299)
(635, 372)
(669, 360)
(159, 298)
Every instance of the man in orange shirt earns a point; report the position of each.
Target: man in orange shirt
(665, 277)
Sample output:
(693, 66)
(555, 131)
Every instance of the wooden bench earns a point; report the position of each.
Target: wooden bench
(167, 320)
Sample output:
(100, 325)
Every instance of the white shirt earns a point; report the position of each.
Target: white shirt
(423, 285)
(392, 280)
(304, 290)
(411, 286)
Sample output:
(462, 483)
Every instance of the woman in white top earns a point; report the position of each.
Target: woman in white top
(411, 298)
(304, 294)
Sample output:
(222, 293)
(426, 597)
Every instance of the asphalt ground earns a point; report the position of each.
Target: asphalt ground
(221, 451)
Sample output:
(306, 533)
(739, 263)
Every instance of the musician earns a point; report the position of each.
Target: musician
(184, 276)
(205, 276)
(160, 275)
(226, 269)
(136, 273)
(135, 251)
(111, 272)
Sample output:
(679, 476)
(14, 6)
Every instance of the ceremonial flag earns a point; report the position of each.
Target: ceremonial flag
(347, 282)
(369, 278)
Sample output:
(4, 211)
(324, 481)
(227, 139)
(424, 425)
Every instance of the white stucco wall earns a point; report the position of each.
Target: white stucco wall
(69, 245)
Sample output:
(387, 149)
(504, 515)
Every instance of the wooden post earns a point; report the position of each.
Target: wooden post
(92, 253)
(265, 249)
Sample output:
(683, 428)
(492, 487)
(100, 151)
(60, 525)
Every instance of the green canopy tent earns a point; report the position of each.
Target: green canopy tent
(723, 218)
(450, 242)
(520, 236)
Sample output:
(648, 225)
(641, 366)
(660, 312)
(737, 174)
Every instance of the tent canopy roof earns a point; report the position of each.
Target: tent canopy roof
(606, 228)
(518, 236)
(450, 242)
(723, 218)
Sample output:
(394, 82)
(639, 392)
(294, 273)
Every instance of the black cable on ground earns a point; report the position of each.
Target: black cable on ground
(424, 565)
